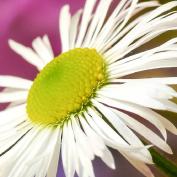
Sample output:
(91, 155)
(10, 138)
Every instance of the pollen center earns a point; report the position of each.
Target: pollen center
(65, 86)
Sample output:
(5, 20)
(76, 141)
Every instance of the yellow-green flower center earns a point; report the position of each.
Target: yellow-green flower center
(65, 86)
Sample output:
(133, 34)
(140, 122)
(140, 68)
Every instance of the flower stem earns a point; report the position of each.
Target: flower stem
(165, 165)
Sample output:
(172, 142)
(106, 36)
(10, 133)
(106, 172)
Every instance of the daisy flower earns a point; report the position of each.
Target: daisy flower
(80, 102)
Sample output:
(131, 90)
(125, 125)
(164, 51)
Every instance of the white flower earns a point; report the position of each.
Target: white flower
(30, 142)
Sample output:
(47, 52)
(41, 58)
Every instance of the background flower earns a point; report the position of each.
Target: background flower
(23, 20)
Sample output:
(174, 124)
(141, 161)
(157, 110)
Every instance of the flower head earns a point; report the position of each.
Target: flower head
(80, 101)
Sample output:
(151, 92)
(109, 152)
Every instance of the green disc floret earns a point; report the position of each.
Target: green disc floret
(65, 86)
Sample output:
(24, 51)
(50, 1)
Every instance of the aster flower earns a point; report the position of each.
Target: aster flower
(79, 102)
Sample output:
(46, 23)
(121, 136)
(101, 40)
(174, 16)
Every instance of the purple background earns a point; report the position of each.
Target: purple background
(23, 20)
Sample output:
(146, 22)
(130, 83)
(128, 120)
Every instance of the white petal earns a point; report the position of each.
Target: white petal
(11, 114)
(74, 27)
(27, 53)
(14, 134)
(14, 126)
(81, 140)
(140, 166)
(155, 58)
(95, 141)
(109, 24)
(98, 145)
(117, 123)
(106, 129)
(139, 30)
(161, 80)
(87, 170)
(167, 46)
(53, 166)
(149, 58)
(145, 39)
(170, 106)
(97, 22)
(89, 5)
(167, 124)
(145, 132)
(42, 49)
(41, 149)
(115, 35)
(13, 96)
(160, 10)
(64, 24)
(166, 63)
(83, 156)
(135, 152)
(48, 44)
(68, 150)
(8, 160)
(108, 159)
(145, 113)
(128, 16)
(14, 103)
(15, 82)
(112, 142)
(64, 149)
(146, 94)
(122, 129)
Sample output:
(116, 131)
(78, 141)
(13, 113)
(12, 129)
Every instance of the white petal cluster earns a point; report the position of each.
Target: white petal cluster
(28, 150)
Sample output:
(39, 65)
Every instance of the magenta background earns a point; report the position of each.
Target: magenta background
(23, 20)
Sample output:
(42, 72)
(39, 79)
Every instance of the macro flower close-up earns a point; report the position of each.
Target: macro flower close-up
(89, 98)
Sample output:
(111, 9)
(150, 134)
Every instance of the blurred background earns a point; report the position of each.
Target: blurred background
(23, 20)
